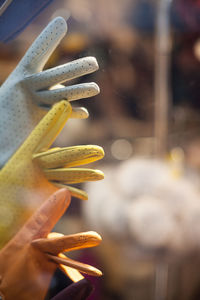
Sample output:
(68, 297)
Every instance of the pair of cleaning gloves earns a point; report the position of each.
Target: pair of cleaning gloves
(31, 172)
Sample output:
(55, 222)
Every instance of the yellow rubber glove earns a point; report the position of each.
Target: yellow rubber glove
(29, 260)
(33, 173)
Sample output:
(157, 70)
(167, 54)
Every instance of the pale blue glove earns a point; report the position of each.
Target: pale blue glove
(29, 89)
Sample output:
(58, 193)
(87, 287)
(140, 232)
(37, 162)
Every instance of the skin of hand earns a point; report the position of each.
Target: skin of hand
(28, 89)
(80, 290)
(29, 260)
(33, 173)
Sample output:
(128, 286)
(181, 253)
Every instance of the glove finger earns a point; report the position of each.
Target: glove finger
(41, 49)
(45, 217)
(80, 290)
(72, 273)
(77, 193)
(70, 175)
(62, 73)
(68, 243)
(49, 127)
(81, 267)
(79, 113)
(70, 93)
(69, 156)
(45, 132)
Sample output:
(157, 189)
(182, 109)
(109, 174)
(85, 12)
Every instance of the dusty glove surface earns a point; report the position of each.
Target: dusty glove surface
(28, 89)
(80, 290)
(33, 173)
(29, 260)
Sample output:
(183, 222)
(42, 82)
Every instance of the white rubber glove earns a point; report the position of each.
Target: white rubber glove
(28, 89)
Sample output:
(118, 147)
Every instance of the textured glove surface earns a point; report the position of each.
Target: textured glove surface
(29, 260)
(28, 89)
(33, 173)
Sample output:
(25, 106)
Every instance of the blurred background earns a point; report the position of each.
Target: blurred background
(147, 118)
